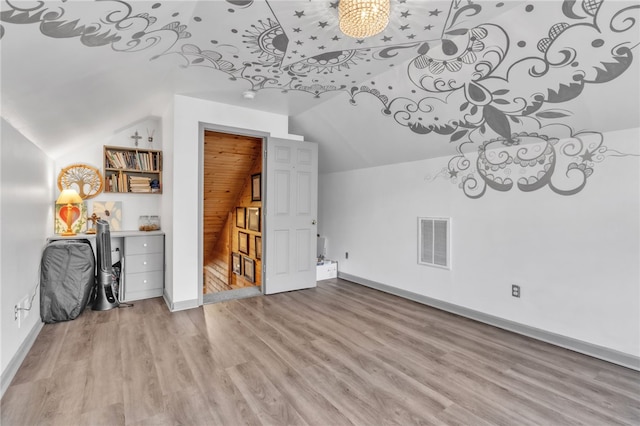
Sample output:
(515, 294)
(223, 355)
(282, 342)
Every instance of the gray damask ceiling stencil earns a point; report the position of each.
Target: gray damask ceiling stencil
(493, 77)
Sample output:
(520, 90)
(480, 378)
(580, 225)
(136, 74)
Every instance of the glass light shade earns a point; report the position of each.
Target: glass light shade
(69, 196)
(363, 18)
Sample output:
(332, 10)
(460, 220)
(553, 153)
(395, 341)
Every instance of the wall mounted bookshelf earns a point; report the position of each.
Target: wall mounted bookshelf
(132, 170)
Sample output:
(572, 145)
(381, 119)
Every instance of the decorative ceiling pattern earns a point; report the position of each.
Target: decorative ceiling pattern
(492, 76)
(282, 45)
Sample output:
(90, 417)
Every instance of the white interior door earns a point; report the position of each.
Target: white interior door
(291, 211)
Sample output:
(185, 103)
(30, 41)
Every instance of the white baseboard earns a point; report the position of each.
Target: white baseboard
(16, 361)
(179, 306)
(596, 351)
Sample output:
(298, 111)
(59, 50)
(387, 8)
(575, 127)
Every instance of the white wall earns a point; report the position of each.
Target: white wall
(167, 199)
(183, 148)
(576, 257)
(133, 205)
(28, 180)
(26, 212)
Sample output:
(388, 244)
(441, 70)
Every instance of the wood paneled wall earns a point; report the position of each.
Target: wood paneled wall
(238, 281)
(229, 162)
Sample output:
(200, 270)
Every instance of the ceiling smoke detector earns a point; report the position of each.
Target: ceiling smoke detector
(249, 94)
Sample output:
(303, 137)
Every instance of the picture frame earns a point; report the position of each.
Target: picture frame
(78, 223)
(236, 263)
(111, 211)
(253, 219)
(240, 218)
(243, 242)
(249, 266)
(256, 187)
(258, 242)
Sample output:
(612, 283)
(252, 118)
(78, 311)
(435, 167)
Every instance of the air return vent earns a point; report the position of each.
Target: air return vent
(433, 241)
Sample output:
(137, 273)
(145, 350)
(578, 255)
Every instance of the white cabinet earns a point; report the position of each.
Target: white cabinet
(327, 270)
(143, 267)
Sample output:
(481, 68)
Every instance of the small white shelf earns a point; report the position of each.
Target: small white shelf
(327, 270)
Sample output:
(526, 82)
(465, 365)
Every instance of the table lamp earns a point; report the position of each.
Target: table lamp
(70, 212)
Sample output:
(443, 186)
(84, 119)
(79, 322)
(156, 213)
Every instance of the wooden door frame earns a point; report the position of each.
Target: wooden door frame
(202, 127)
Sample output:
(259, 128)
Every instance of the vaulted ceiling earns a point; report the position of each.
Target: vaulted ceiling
(443, 77)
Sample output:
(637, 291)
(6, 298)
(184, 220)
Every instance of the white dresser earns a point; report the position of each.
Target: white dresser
(142, 255)
(143, 267)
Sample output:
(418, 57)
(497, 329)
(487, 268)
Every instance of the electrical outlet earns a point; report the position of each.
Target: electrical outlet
(16, 314)
(515, 290)
(25, 307)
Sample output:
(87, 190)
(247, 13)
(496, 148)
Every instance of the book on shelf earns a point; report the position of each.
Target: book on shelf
(117, 160)
(134, 160)
(113, 160)
(126, 182)
(115, 183)
(123, 182)
(140, 184)
(140, 178)
(132, 170)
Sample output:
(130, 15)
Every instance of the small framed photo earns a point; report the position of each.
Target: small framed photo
(236, 262)
(249, 266)
(243, 242)
(253, 218)
(256, 187)
(258, 247)
(240, 221)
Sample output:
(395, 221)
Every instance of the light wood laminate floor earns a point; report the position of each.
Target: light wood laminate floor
(339, 354)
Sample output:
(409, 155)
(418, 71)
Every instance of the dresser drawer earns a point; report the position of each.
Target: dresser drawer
(144, 244)
(143, 263)
(143, 285)
(144, 281)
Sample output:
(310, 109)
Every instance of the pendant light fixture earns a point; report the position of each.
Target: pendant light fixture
(363, 18)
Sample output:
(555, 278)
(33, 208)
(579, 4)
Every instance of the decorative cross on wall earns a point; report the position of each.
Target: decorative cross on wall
(135, 137)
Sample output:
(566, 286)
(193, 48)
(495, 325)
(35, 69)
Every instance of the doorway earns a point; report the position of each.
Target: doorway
(232, 216)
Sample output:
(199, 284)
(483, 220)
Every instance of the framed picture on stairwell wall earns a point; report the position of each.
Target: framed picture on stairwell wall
(240, 220)
(249, 266)
(243, 242)
(256, 187)
(236, 263)
(258, 247)
(253, 218)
